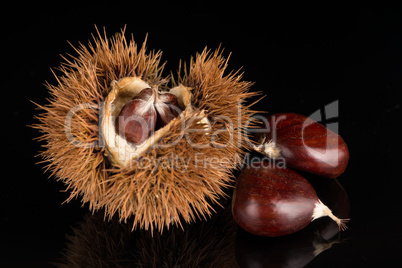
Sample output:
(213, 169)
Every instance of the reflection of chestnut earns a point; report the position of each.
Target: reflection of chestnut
(273, 201)
(298, 249)
(304, 144)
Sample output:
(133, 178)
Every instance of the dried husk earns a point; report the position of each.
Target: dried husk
(154, 195)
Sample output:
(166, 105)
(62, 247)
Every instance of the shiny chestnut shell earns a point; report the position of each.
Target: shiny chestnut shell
(272, 201)
(306, 144)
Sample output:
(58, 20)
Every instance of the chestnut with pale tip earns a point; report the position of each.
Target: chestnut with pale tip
(273, 201)
(167, 107)
(146, 113)
(304, 144)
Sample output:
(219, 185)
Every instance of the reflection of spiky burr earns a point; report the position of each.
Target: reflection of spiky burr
(96, 243)
(182, 177)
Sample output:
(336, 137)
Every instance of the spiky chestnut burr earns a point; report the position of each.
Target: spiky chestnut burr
(178, 184)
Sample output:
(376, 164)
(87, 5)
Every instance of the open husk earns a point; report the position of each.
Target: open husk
(121, 152)
(178, 172)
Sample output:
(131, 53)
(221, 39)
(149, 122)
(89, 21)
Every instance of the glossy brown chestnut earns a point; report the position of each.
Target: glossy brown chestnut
(304, 144)
(136, 121)
(146, 113)
(274, 201)
(167, 108)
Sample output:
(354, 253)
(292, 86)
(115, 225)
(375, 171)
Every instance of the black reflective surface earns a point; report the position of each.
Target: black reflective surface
(218, 242)
(303, 57)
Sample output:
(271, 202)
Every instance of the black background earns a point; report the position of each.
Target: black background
(302, 56)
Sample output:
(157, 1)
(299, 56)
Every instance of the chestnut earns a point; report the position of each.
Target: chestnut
(272, 201)
(304, 144)
(167, 109)
(298, 249)
(147, 112)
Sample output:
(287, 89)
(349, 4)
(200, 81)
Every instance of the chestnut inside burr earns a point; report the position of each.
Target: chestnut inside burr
(146, 113)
